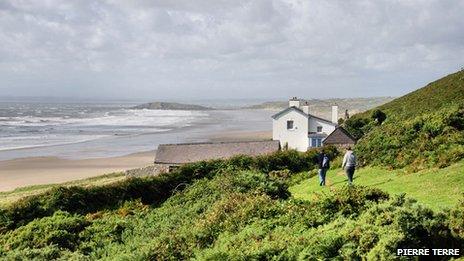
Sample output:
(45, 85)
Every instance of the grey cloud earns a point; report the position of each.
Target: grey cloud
(264, 48)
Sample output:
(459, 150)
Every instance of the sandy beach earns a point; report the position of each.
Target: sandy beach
(47, 170)
(241, 136)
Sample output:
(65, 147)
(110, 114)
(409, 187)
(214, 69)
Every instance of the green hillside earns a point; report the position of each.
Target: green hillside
(437, 95)
(436, 188)
(240, 209)
(422, 129)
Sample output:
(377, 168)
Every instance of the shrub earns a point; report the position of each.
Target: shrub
(61, 230)
(292, 160)
(429, 140)
(456, 220)
(280, 174)
(379, 116)
(356, 126)
(349, 200)
(246, 181)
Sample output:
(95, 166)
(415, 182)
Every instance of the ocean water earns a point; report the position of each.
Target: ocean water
(89, 130)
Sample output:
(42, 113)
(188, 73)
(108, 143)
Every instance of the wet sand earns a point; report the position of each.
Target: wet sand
(241, 136)
(46, 170)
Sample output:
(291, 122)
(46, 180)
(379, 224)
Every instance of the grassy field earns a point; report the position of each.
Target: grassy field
(436, 188)
(11, 196)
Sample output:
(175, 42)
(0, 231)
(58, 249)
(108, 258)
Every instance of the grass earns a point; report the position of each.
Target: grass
(436, 188)
(436, 95)
(9, 197)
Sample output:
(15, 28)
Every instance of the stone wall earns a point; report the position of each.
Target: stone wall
(152, 170)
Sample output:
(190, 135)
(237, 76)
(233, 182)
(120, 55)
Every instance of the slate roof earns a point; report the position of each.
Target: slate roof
(317, 135)
(193, 152)
(339, 136)
(277, 115)
(282, 112)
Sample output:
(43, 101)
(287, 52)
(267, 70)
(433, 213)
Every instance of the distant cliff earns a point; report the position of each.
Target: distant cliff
(355, 104)
(322, 107)
(171, 106)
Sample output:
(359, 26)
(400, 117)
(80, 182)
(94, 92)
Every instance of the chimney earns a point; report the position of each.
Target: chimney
(335, 114)
(305, 107)
(294, 102)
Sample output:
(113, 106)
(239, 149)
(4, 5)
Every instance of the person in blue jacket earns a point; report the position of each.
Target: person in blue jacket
(323, 162)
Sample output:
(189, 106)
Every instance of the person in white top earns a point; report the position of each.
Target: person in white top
(349, 164)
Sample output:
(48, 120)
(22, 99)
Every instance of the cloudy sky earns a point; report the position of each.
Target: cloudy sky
(165, 49)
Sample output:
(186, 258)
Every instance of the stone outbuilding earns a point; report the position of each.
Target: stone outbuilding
(340, 138)
(171, 156)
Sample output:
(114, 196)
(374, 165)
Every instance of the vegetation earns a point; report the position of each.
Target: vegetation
(236, 209)
(435, 188)
(435, 139)
(358, 126)
(420, 130)
(150, 190)
(379, 116)
(437, 95)
(10, 197)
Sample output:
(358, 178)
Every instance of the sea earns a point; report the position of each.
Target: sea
(81, 129)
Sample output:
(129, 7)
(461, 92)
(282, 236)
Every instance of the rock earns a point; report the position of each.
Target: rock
(171, 106)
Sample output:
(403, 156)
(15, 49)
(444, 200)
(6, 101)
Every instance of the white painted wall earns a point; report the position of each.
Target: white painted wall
(296, 138)
(326, 127)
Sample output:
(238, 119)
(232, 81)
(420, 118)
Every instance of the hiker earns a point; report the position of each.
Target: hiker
(323, 162)
(349, 164)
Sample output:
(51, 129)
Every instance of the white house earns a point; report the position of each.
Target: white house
(296, 128)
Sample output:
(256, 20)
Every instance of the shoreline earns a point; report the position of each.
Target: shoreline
(30, 171)
(200, 130)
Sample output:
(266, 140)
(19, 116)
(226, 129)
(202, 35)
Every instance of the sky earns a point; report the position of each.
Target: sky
(223, 49)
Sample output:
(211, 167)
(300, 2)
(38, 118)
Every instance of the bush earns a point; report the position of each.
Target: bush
(61, 230)
(350, 200)
(456, 220)
(292, 160)
(430, 140)
(246, 181)
(356, 126)
(379, 116)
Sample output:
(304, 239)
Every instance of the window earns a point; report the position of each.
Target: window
(289, 125)
(316, 142)
(319, 128)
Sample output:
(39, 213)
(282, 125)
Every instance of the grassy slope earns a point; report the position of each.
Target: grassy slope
(9, 197)
(423, 129)
(436, 95)
(436, 188)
